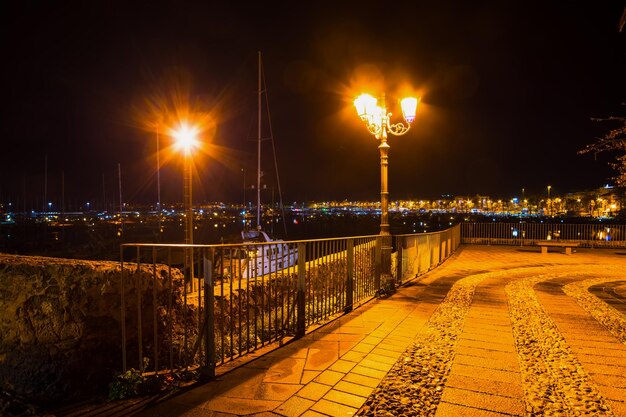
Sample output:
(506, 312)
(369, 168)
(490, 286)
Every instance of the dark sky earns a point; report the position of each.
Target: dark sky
(507, 92)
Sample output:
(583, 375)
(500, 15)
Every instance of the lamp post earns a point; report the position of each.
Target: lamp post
(186, 140)
(549, 201)
(377, 120)
(243, 213)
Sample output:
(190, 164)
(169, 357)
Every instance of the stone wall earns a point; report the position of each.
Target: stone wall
(60, 329)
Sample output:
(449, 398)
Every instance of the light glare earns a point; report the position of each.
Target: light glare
(186, 137)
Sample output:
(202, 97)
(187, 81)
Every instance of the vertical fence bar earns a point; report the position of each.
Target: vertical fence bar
(170, 286)
(316, 279)
(256, 307)
(361, 252)
(342, 275)
(123, 308)
(378, 256)
(279, 269)
(271, 296)
(329, 277)
(275, 287)
(139, 318)
(325, 278)
(300, 328)
(185, 286)
(264, 290)
(222, 314)
(239, 296)
(231, 318)
(356, 248)
(334, 277)
(154, 312)
(209, 314)
(199, 288)
(361, 283)
(328, 256)
(399, 255)
(239, 276)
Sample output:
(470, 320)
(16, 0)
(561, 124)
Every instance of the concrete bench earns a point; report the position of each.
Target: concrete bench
(567, 244)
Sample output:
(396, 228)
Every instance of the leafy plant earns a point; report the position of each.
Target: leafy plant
(126, 385)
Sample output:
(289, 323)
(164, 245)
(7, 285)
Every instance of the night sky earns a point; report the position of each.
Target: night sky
(508, 90)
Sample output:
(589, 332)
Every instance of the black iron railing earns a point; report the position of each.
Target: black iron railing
(236, 299)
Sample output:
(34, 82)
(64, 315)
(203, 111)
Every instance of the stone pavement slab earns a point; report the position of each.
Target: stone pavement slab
(496, 382)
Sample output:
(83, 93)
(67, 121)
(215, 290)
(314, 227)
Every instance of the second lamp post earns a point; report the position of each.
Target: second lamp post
(186, 141)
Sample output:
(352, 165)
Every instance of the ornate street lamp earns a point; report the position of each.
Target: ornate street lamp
(377, 120)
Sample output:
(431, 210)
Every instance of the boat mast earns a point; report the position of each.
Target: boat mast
(119, 182)
(258, 174)
(45, 183)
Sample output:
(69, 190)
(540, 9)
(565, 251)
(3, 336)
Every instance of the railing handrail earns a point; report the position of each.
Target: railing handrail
(429, 233)
(219, 245)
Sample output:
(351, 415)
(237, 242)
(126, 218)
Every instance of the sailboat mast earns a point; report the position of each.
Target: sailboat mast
(119, 181)
(258, 172)
(45, 181)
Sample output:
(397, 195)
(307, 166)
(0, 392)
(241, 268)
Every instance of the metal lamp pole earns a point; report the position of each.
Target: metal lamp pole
(186, 140)
(549, 201)
(377, 120)
(187, 199)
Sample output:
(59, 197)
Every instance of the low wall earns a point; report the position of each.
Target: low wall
(419, 253)
(60, 324)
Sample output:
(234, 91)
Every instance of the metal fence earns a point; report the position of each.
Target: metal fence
(235, 299)
(592, 235)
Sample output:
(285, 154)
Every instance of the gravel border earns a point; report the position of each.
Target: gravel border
(554, 381)
(613, 320)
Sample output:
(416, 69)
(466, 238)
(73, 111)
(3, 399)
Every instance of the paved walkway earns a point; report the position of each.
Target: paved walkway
(524, 333)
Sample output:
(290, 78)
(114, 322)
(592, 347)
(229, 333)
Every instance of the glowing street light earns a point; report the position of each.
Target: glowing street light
(186, 138)
(377, 120)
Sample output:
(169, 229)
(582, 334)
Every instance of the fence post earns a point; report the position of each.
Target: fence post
(123, 308)
(139, 318)
(301, 322)
(378, 263)
(155, 327)
(208, 370)
(350, 276)
(399, 245)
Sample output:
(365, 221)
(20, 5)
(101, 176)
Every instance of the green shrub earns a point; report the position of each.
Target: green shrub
(126, 385)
